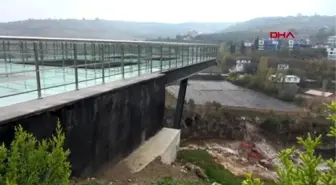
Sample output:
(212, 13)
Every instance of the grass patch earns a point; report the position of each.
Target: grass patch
(214, 171)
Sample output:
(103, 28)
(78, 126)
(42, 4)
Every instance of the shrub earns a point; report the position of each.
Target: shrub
(28, 161)
(306, 173)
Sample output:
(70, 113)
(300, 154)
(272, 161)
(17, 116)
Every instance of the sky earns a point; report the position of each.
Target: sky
(171, 11)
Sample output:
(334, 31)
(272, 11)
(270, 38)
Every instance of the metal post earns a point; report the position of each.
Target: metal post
(54, 50)
(139, 55)
(169, 56)
(122, 61)
(9, 56)
(176, 56)
(26, 51)
(197, 54)
(109, 58)
(42, 61)
(62, 51)
(5, 57)
(188, 55)
(66, 50)
(22, 52)
(151, 58)
(192, 54)
(161, 55)
(93, 53)
(37, 70)
(180, 103)
(85, 60)
(102, 62)
(75, 64)
(182, 54)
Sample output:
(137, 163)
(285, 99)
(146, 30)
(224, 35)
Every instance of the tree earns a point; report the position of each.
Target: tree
(256, 44)
(262, 68)
(242, 48)
(269, 85)
(293, 30)
(223, 56)
(306, 173)
(232, 48)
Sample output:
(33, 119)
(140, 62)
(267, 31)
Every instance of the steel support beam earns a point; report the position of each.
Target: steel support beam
(185, 72)
(180, 103)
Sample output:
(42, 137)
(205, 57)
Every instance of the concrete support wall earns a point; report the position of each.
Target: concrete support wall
(102, 128)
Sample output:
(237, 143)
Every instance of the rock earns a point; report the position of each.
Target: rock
(216, 183)
(199, 172)
(189, 167)
(183, 171)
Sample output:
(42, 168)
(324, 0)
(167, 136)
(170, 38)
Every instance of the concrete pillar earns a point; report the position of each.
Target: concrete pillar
(180, 103)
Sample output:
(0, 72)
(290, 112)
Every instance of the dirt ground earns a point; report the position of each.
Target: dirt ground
(155, 171)
(223, 151)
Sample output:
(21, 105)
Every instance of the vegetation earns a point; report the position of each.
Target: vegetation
(30, 162)
(260, 81)
(214, 171)
(306, 64)
(307, 172)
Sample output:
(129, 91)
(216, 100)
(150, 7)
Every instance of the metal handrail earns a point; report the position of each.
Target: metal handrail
(144, 52)
(20, 38)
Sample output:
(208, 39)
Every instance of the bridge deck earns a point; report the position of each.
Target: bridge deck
(32, 68)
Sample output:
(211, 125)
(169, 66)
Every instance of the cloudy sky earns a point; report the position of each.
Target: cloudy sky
(161, 11)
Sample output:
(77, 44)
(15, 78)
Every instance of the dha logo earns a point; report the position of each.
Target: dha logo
(278, 35)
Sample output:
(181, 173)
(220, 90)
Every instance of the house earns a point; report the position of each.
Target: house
(283, 66)
(331, 53)
(291, 79)
(317, 93)
(248, 44)
(239, 67)
(268, 45)
(331, 41)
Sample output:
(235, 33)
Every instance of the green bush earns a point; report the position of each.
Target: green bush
(28, 161)
(306, 173)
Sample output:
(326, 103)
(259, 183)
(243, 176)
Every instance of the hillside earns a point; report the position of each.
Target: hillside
(104, 29)
(302, 26)
(300, 23)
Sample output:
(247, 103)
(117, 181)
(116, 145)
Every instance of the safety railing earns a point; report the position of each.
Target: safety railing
(34, 67)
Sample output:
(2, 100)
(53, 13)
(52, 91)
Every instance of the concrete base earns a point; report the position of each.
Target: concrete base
(164, 145)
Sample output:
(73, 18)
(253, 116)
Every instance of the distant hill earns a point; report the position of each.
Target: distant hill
(302, 26)
(104, 29)
(300, 23)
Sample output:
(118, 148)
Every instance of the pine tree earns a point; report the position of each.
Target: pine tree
(242, 48)
(256, 44)
(232, 48)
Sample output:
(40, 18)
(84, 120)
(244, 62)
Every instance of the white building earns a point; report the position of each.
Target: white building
(331, 40)
(239, 67)
(331, 53)
(248, 44)
(288, 79)
(283, 66)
